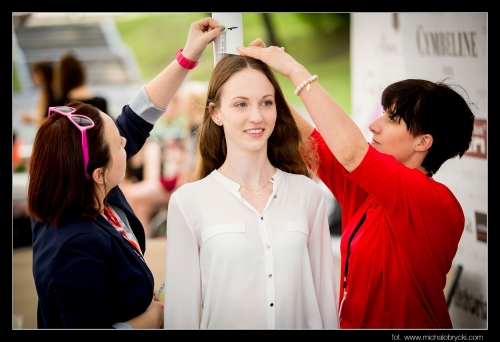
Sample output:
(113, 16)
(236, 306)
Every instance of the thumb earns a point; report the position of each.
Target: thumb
(257, 42)
(215, 33)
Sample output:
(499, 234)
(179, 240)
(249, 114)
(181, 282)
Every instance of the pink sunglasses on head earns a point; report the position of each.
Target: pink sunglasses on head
(83, 123)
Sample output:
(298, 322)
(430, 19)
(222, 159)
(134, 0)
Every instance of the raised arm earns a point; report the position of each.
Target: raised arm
(305, 126)
(162, 88)
(340, 132)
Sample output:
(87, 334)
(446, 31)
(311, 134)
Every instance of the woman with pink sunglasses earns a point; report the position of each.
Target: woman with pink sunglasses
(88, 245)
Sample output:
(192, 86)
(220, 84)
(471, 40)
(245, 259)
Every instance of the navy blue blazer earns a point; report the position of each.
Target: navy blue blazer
(86, 274)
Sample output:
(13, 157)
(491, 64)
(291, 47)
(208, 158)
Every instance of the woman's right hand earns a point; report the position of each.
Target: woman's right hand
(201, 33)
(156, 308)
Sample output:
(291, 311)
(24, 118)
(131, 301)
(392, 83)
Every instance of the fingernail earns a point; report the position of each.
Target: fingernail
(222, 28)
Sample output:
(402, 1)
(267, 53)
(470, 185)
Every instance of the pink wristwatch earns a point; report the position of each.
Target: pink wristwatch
(184, 62)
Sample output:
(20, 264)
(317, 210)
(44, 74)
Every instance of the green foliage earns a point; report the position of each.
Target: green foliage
(16, 83)
(325, 23)
(20, 168)
(319, 41)
(155, 38)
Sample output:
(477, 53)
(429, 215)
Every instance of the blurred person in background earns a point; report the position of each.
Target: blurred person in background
(70, 83)
(196, 98)
(42, 73)
(148, 162)
(88, 245)
(168, 157)
(16, 151)
(150, 196)
(400, 227)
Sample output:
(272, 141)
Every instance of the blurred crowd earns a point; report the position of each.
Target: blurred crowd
(167, 159)
(57, 83)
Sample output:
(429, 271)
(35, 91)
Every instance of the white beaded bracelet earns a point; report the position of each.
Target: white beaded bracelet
(305, 83)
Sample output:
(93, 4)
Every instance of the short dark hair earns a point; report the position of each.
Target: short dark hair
(435, 108)
(58, 190)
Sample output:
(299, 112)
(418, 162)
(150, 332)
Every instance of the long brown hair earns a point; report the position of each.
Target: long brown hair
(286, 148)
(69, 74)
(58, 190)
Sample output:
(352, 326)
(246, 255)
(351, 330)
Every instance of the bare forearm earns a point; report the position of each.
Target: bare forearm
(163, 87)
(152, 318)
(340, 132)
(304, 126)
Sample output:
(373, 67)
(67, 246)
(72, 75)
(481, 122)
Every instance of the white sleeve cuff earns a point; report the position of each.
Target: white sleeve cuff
(142, 106)
(122, 325)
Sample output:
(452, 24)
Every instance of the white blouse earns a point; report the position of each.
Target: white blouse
(230, 267)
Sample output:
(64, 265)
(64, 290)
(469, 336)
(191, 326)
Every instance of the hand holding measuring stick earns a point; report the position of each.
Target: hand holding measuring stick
(158, 293)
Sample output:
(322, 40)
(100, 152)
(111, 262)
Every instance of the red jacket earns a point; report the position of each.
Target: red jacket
(400, 255)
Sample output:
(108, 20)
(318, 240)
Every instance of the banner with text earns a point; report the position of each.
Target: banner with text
(387, 47)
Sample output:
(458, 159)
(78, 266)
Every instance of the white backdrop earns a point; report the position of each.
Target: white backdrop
(387, 47)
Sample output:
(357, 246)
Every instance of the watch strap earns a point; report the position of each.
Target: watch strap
(184, 62)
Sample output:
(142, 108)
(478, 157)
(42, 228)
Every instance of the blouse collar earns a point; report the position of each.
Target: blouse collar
(235, 187)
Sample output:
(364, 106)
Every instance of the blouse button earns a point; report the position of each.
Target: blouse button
(272, 304)
(267, 246)
(275, 196)
(270, 276)
(262, 218)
